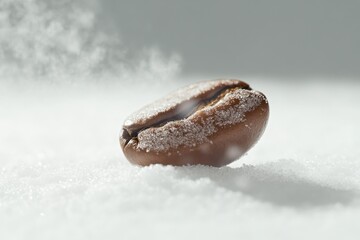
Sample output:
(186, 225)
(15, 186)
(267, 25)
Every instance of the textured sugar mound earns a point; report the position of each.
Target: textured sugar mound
(63, 176)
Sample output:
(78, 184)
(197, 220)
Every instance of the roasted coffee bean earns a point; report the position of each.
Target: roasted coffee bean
(210, 123)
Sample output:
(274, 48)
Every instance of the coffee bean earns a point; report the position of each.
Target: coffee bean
(210, 123)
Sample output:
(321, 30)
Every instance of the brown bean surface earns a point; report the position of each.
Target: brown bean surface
(211, 123)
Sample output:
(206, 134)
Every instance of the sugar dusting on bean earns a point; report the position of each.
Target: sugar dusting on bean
(189, 131)
(173, 100)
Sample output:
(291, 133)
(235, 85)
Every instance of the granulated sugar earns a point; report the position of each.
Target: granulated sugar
(63, 174)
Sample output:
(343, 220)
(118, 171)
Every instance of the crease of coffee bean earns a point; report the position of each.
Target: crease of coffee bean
(184, 113)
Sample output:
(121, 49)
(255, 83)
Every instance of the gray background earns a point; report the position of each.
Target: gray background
(271, 38)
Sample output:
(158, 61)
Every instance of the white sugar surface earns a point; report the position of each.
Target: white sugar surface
(63, 176)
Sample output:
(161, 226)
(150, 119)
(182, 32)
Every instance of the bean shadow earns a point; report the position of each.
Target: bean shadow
(264, 184)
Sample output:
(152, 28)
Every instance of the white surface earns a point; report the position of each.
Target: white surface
(63, 176)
